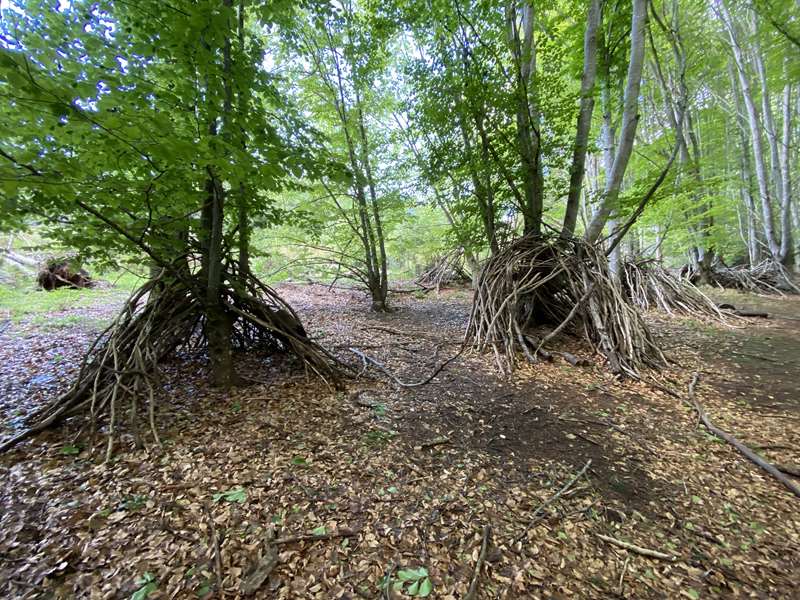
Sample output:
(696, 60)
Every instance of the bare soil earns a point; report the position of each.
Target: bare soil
(416, 472)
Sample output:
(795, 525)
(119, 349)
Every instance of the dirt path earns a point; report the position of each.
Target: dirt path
(419, 472)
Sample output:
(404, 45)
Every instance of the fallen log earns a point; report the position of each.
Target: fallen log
(747, 452)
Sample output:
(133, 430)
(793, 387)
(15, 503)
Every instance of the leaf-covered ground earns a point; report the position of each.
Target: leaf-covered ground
(404, 481)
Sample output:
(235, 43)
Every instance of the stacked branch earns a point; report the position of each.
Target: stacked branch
(649, 286)
(767, 277)
(118, 378)
(540, 286)
(445, 269)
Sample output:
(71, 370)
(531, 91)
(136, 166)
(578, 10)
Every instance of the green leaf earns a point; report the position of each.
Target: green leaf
(425, 588)
(319, 530)
(413, 588)
(694, 594)
(70, 450)
(232, 495)
(148, 585)
(407, 575)
(298, 460)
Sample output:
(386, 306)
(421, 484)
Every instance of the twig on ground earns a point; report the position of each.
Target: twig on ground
(472, 592)
(793, 470)
(552, 499)
(437, 441)
(214, 543)
(382, 368)
(315, 537)
(622, 575)
(636, 549)
(747, 452)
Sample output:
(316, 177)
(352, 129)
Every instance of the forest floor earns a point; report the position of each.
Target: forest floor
(395, 479)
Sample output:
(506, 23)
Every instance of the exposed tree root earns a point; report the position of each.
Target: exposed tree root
(651, 287)
(161, 318)
(446, 269)
(564, 285)
(58, 273)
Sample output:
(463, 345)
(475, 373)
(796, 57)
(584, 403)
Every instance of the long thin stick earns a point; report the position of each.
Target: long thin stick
(315, 537)
(472, 592)
(394, 377)
(747, 452)
(636, 549)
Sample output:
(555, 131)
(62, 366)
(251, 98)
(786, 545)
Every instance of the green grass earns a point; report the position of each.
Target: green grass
(25, 300)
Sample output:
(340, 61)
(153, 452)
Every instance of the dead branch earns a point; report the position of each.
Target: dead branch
(636, 549)
(214, 546)
(472, 592)
(382, 368)
(437, 441)
(340, 533)
(651, 287)
(747, 452)
(553, 498)
(793, 470)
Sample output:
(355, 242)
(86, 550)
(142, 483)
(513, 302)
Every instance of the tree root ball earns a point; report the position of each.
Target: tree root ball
(541, 286)
(63, 273)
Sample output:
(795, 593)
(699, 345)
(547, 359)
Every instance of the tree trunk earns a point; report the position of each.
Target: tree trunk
(584, 118)
(630, 119)
(243, 218)
(755, 131)
(382, 289)
(786, 179)
(528, 118)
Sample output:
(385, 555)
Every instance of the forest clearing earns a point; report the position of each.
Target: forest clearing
(458, 299)
(416, 474)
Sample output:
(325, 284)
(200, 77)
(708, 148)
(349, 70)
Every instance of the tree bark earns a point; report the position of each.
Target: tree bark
(755, 130)
(584, 125)
(630, 119)
(746, 189)
(523, 50)
(786, 179)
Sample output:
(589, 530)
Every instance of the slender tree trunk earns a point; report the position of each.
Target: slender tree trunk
(372, 262)
(755, 131)
(746, 189)
(241, 200)
(584, 118)
(630, 119)
(523, 50)
(482, 194)
(219, 323)
(379, 298)
(786, 179)
(766, 109)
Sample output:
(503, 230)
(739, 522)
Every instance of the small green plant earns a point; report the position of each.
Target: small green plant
(70, 450)
(232, 495)
(414, 582)
(300, 461)
(147, 585)
(379, 437)
(134, 503)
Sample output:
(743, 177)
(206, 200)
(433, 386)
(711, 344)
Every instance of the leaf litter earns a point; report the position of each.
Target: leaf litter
(285, 489)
